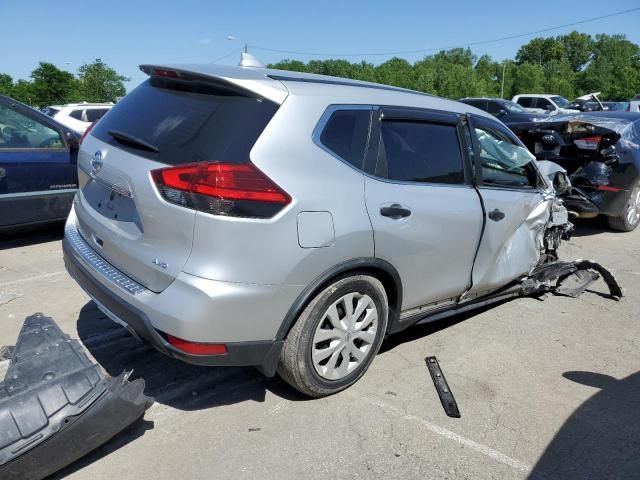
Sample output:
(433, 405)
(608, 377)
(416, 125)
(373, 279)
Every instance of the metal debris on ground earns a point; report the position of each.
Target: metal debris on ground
(56, 406)
(442, 387)
(569, 278)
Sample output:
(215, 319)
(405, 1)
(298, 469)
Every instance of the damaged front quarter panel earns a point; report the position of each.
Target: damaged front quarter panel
(56, 406)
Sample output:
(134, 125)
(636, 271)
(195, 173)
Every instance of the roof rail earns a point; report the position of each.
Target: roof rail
(346, 82)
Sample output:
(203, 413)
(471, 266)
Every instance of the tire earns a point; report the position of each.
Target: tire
(629, 219)
(317, 330)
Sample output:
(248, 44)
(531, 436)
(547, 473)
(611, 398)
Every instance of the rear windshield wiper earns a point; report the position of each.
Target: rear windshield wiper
(131, 141)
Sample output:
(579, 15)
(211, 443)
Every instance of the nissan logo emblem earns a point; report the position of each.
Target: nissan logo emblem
(96, 162)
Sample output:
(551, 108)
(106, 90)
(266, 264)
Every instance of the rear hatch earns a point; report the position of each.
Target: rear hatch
(172, 119)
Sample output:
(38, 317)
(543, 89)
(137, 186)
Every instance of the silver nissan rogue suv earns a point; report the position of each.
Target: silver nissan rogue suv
(248, 216)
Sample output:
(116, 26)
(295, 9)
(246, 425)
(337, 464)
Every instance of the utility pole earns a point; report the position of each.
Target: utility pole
(245, 47)
(504, 67)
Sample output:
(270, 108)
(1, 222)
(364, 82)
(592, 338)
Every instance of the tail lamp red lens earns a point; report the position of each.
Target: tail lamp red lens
(221, 189)
(197, 348)
(588, 143)
(607, 188)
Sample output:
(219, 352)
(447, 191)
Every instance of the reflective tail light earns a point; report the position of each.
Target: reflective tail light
(197, 348)
(238, 190)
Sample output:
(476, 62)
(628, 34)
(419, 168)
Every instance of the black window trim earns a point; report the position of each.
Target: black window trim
(425, 115)
(322, 123)
(478, 120)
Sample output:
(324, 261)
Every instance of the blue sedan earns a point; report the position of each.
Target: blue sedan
(38, 175)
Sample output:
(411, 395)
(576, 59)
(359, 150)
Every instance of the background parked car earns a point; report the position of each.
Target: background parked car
(541, 103)
(601, 153)
(616, 106)
(78, 116)
(506, 110)
(634, 104)
(38, 174)
(587, 103)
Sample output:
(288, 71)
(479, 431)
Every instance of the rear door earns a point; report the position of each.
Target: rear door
(426, 216)
(37, 167)
(163, 123)
(516, 207)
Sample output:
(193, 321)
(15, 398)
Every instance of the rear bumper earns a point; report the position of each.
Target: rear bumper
(139, 314)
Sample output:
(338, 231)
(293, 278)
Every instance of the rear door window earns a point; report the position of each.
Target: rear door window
(544, 103)
(187, 121)
(346, 134)
(526, 102)
(417, 151)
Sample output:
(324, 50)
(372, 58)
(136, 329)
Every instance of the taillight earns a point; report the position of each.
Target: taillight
(197, 348)
(588, 143)
(238, 190)
(607, 188)
(86, 132)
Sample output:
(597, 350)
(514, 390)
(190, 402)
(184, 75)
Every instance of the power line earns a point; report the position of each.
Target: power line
(472, 44)
(235, 50)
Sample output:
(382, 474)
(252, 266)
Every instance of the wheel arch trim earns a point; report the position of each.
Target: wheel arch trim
(381, 269)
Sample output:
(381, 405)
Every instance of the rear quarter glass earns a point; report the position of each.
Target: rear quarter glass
(187, 122)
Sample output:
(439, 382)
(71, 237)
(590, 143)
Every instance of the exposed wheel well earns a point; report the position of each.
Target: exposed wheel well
(376, 268)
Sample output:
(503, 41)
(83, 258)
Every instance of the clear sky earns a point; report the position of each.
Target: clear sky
(127, 33)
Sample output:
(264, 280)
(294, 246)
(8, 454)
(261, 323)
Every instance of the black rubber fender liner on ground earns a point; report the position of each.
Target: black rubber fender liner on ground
(56, 406)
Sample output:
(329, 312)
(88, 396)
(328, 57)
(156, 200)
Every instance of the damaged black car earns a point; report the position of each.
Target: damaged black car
(595, 163)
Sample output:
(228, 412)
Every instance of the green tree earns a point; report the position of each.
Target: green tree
(6, 84)
(23, 92)
(290, 65)
(51, 85)
(397, 72)
(578, 48)
(528, 78)
(614, 69)
(100, 83)
(540, 51)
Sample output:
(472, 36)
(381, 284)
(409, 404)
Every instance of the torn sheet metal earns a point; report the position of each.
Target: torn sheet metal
(569, 278)
(56, 406)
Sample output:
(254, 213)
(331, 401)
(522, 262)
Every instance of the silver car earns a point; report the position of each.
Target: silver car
(247, 216)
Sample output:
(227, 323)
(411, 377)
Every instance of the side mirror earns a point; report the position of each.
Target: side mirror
(501, 112)
(549, 108)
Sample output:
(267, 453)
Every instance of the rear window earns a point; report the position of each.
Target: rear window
(186, 122)
(345, 134)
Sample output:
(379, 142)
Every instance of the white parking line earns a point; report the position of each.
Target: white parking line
(32, 279)
(478, 447)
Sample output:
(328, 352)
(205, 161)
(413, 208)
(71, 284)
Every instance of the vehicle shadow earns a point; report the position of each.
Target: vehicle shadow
(601, 439)
(129, 434)
(591, 226)
(419, 331)
(25, 236)
(172, 382)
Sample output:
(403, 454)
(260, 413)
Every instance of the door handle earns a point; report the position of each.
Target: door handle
(496, 215)
(395, 211)
(3, 172)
